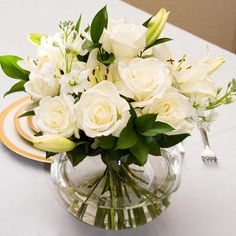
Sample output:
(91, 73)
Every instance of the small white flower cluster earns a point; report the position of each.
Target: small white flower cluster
(76, 91)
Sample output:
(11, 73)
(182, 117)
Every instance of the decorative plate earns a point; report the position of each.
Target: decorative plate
(16, 133)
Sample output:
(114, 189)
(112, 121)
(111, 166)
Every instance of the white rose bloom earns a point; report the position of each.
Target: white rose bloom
(123, 39)
(143, 80)
(42, 82)
(194, 79)
(55, 115)
(172, 109)
(101, 111)
(75, 81)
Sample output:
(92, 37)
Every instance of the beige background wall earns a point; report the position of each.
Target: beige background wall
(213, 20)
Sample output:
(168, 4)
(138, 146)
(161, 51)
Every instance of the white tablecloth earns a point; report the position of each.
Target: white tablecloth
(29, 206)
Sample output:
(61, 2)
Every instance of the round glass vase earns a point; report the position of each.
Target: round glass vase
(121, 198)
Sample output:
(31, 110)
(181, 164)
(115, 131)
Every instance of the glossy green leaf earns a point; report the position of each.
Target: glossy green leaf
(77, 26)
(153, 146)
(107, 142)
(140, 150)
(89, 45)
(166, 141)
(145, 122)
(145, 24)
(158, 41)
(16, 88)
(132, 112)
(127, 139)
(106, 58)
(110, 158)
(50, 154)
(158, 128)
(98, 24)
(12, 69)
(83, 58)
(27, 113)
(77, 155)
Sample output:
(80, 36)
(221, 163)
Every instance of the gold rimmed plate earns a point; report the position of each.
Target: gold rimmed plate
(16, 133)
(25, 126)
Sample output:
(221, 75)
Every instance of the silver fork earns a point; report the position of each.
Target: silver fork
(207, 154)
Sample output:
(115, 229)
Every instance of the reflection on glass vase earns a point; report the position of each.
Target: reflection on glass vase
(121, 197)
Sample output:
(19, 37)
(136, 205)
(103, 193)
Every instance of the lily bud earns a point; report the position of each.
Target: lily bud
(215, 64)
(156, 26)
(53, 143)
(36, 38)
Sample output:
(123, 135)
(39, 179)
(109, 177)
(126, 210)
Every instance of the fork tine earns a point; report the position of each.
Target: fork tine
(207, 154)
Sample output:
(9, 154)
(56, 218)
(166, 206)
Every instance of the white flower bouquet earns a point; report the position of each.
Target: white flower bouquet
(114, 90)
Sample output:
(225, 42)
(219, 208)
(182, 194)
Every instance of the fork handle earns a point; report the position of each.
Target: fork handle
(204, 136)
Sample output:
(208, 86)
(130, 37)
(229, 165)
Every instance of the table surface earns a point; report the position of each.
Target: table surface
(29, 206)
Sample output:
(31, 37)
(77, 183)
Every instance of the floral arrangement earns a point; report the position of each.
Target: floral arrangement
(114, 89)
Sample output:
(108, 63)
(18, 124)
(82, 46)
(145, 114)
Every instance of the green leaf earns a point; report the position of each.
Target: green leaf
(77, 155)
(40, 133)
(147, 126)
(83, 58)
(50, 154)
(16, 88)
(132, 112)
(131, 159)
(128, 137)
(36, 37)
(106, 58)
(145, 24)
(12, 69)
(153, 146)
(98, 24)
(89, 45)
(110, 158)
(87, 29)
(145, 122)
(158, 128)
(158, 41)
(140, 150)
(107, 142)
(77, 26)
(28, 113)
(166, 141)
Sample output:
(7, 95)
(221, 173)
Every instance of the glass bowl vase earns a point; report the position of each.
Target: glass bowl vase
(121, 198)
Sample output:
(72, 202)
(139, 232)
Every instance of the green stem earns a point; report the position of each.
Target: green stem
(126, 192)
(95, 186)
(102, 212)
(218, 102)
(135, 176)
(113, 199)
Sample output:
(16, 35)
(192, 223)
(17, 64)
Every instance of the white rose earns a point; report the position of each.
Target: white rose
(172, 109)
(194, 80)
(143, 80)
(55, 116)
(42, 82)
(123, 39)
(101, 111)
(76, 81)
